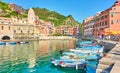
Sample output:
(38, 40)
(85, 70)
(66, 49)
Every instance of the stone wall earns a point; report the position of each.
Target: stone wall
(107, 64)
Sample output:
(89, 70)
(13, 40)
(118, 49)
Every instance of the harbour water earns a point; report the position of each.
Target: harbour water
(34, 57)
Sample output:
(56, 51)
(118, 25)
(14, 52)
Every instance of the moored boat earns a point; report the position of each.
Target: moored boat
(22, 42)
(25, 42)
(96, 50)
(78, 64)
(11, 43)
(2, 43)
(78, 55)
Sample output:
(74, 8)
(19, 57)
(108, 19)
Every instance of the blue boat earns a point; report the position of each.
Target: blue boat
(11, 43)
(2, 43)
(86, 43)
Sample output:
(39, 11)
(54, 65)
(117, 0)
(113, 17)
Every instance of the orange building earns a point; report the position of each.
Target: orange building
(106, 22)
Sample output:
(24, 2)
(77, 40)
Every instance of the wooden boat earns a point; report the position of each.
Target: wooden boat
(78, 64)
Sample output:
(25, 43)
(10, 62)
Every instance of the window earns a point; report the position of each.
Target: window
(21, 31)
(106, 16)
(102, 23)
(105, 22)
(112, 22)
(114, 8)
(14, 31)
(112, 15)
(9, 27)
(2, 27)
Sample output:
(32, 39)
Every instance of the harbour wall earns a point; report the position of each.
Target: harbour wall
(110, 62)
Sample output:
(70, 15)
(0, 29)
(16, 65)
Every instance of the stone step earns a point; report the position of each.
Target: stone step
(106, 61)
(116, 68)
(102, 71)
(105, 67)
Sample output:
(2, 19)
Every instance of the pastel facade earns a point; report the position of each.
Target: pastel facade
(45, 28)
(26, 28)
(106, 22)
(67, 30)
(6, 28)
(22, 29)
(88, 27)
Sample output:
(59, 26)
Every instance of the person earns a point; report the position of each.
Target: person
(61, 52)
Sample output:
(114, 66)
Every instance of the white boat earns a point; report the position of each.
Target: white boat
(96, 51)
(23, 42)
(78, 55)
(78, 64)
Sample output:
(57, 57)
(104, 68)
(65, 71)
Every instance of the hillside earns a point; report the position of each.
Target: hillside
(6, 11)
(70, 21)
(54, 17)
(13, 10)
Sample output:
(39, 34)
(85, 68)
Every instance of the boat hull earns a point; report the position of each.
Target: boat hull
(69, 64)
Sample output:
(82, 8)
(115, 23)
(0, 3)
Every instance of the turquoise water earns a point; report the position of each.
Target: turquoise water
(34, 57)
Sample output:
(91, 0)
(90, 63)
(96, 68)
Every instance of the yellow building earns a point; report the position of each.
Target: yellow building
(6, 29)
(26, 28)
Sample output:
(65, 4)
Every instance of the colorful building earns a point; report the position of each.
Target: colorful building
(6, 28)
(88, 26)
(104, 23)
(26, 28)
(67, 30)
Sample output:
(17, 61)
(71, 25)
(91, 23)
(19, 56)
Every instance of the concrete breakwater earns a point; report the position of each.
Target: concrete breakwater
(110, 63)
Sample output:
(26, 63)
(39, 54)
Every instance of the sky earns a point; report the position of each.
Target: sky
(79, 9)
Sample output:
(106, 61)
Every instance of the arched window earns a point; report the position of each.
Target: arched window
(5, 38)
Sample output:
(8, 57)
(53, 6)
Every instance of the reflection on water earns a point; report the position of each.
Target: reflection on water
(32, 57)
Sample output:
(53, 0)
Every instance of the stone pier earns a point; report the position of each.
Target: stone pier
(110, 63)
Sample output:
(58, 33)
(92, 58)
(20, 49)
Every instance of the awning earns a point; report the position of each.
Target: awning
(115, 32)
(112, 32)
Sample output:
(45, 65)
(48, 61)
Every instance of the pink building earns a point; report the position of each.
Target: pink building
(106, 22)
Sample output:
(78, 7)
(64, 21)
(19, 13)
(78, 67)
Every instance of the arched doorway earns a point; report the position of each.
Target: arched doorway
(5, 38)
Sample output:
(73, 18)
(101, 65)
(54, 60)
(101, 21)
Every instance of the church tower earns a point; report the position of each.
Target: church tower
(31, 16)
